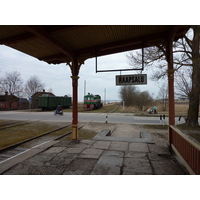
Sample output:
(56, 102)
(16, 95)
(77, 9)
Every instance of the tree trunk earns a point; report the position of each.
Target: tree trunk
(193, 112)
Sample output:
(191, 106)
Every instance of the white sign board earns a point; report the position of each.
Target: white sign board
(132, 79)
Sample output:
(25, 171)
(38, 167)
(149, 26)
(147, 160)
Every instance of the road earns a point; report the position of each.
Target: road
(83, 117)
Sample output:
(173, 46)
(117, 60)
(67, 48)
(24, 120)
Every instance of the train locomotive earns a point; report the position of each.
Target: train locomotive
(92, 102)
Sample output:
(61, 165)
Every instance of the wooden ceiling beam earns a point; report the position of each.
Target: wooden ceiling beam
(60, 28)
(17, 38)
(49, 29)
(131, 44)
(124, 44)
(52, 57)
(42, 34)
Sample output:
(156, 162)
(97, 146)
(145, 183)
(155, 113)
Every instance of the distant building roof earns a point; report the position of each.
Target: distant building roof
(7, 96)
(43, 92)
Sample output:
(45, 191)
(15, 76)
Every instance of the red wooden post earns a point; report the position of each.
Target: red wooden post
(75, 66)
(170, 71)
(75, 108)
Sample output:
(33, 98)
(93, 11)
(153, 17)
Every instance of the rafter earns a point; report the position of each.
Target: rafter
(45, 36)
(49, 29)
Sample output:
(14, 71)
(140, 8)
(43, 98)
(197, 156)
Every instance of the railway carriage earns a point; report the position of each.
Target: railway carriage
(92, 102)
(51, 102)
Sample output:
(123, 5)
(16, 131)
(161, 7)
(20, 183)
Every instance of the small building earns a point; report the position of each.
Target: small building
(34, 103)
(11, 102)
(23, 104)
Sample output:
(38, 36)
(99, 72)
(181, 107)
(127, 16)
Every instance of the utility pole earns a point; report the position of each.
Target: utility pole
(84, 87)
(84, 90)
(104, 96)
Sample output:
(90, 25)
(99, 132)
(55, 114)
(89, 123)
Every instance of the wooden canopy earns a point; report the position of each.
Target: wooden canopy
(57, 44)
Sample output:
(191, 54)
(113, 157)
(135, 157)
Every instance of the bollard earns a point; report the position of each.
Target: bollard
(160, 119)
(164, 120)
(179, 119)
(106, 119)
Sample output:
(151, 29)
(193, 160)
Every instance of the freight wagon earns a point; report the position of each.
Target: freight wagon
(51, 102)
(92, 102)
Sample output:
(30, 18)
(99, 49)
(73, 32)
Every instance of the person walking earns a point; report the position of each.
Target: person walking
(155, 110)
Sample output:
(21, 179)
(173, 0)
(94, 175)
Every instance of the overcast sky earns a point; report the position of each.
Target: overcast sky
(57, 77)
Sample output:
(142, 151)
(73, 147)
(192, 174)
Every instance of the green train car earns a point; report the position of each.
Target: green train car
(92, 102)
(51, 102)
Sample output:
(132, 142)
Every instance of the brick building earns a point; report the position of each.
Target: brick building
(35, 98)
(11, 102)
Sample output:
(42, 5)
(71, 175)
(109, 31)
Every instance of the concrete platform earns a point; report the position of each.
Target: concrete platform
(95, 157)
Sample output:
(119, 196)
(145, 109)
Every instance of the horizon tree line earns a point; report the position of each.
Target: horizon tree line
(12, 83)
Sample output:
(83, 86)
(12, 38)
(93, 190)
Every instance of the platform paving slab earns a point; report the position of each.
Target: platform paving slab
(45, 170)
(105, 135)
(138, 147)
(91, 153)
(108, 153)
(168, 167)
(137, 167)
(74, 150)
(108, 165)
(159, 149)
(63, 159)
(25, 155)
(118, 145)
(94, 157)
(80, 166)
(18, 169)
(101, 144)
(55, 149)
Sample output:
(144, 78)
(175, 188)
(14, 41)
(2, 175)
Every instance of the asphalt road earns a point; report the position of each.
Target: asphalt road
(83, 117)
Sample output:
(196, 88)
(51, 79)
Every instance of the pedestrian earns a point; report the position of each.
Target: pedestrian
(149, 111)
(155, 110)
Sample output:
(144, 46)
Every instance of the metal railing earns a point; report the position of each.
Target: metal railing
(186, 148)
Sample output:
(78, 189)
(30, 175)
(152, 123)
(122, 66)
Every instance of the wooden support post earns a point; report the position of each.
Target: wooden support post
(75, 107)
(170, 71)
(75, 66)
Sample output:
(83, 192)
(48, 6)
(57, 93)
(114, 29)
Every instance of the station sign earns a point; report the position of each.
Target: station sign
(131, 79)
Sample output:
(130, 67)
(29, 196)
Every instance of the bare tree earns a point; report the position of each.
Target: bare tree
(33, 85)
(1, 85)
(12, 83)
(183, 83)
(163, 96)
(133, 97)
(128, 94)
(186, 53)
(143, 101)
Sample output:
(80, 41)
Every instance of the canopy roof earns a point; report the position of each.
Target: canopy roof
(56, 44)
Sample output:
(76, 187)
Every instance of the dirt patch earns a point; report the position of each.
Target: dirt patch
(160, 137)
(126, 130)
(97, 127)
(193, 131)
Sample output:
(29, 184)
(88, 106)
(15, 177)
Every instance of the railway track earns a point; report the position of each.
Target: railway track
(112, 110)
(12, 124)
(7, 124)
(12, 150)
